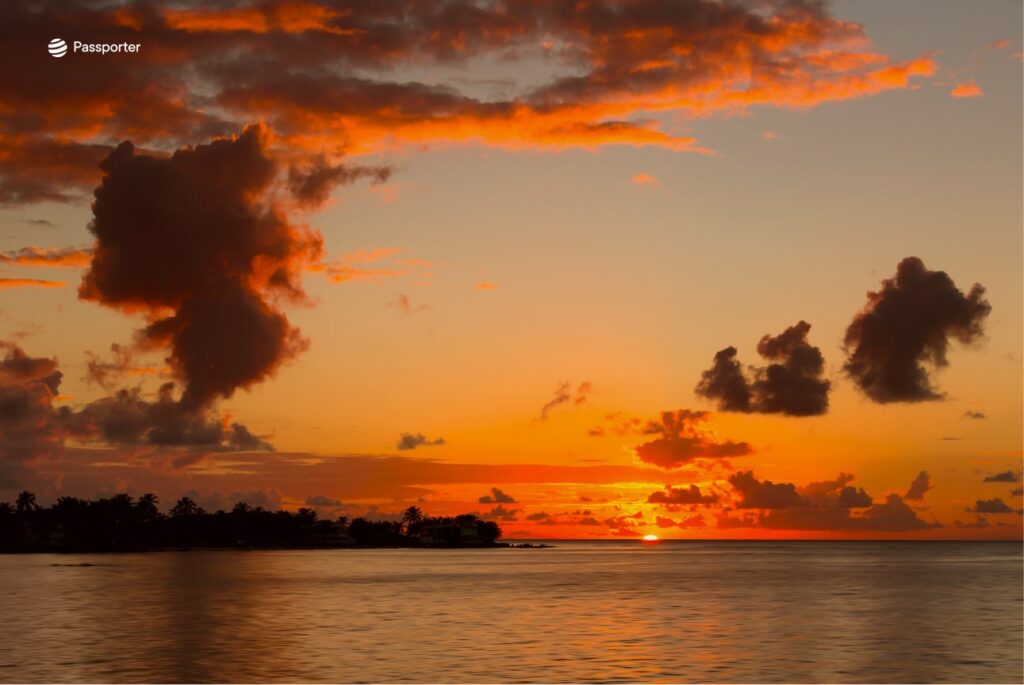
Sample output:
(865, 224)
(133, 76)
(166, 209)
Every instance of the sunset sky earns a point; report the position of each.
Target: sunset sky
(480, 257)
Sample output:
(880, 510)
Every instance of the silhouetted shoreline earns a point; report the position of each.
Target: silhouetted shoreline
(124, 524)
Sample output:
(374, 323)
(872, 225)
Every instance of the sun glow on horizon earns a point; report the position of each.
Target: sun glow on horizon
(650, 538)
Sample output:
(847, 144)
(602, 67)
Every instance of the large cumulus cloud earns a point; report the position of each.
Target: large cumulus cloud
(905, 329)
(196, 241)
(791, 384)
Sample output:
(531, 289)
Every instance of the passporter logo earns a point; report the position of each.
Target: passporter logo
(59, 48)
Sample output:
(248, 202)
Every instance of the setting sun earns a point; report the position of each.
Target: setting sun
(650, 538)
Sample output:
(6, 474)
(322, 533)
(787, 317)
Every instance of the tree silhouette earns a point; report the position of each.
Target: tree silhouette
(121, 523)
(26, 503)
(411, 518)
(185, 507)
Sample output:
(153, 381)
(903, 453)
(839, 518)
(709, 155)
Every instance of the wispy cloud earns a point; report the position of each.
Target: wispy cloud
(30, 283)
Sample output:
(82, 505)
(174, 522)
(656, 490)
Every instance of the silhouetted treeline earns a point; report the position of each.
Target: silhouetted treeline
(122, 523)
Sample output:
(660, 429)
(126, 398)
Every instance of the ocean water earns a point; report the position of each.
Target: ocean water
(583, 611)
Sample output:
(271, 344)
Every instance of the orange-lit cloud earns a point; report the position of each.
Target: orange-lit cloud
(30, 283)
(967, 89)
(771, 135)
(47, 257)
(287, 17)
(682, 437)
(373, 266)
(343, 273)
(369, 256)
(485, 285)
(301, 65)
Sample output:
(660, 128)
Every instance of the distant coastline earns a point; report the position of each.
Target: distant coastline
(124, 524)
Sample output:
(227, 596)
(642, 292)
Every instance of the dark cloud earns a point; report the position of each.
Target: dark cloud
(907, 325)
(320, 72)
(404, 303)
(127, 418)
(1016, 492)
(31, 428)
(240, 438)
(791, 384)
(497, 496)
(690, 495)
(43, 169)
(975, 415)
(725, 383)
(17, 368)
(920, 485)
(322, 501)
(311, 179)
(757, 494)
(623, 526)
(688, 522)
(979, 522)
(824, 505)
(107, 373)
(893, 515)
(500, 513)
(682, 438)
(410, 441)
(619, 424)
(995, 505)
(835, 493)
(215, 500)
(1003, 477)
(215, 248)
(538, 516)
(563, 395)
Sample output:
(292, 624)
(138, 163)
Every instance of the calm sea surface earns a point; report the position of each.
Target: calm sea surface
(611, 611)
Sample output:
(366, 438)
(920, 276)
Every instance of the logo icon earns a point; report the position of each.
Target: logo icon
(58, 48)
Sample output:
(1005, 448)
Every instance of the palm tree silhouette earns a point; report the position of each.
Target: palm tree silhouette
(25, 503)
(411, 517)
(185, 507)
(146, 506)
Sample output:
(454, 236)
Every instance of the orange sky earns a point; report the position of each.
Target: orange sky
(495, 261)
